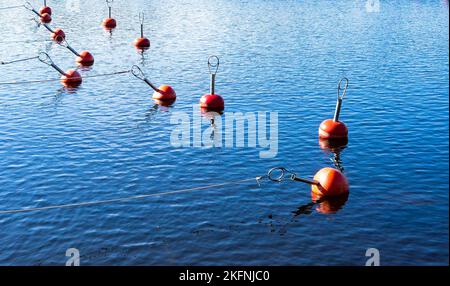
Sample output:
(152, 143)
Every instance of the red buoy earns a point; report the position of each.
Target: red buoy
(45, 10)
(331, 183)
(109, 23)
(333, 128)
(71, 78)
(142, 43)
(85, 59)
(212, 101)
(46, 18)
(58, 35)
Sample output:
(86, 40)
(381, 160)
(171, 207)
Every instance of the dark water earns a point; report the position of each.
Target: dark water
(106, 140)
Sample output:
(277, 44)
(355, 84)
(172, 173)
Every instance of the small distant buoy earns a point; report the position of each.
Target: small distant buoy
(46, 18)
(71, 78)
(333, 128)
(331, 183)
(142, 43)
(85, 59)
(109, 23)
(45, 10)
(164, 94)
(58, 35)
(212, 101)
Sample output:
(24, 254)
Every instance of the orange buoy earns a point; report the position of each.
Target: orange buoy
(46, 18)
(109, 23)
(330, 183)
(212, 101)
(333, 128)
(164, 94)
(142, 43)
(71, 78)
(333, 144)
(58, 35)
(330, 129)
(45, 10)
(85, 59)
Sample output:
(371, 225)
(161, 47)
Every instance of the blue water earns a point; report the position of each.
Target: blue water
(107, 140)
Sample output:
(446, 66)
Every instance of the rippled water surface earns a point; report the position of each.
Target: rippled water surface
(108, 140)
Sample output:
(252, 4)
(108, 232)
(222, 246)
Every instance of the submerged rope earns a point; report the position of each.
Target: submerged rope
(51, 80)
(102, 202)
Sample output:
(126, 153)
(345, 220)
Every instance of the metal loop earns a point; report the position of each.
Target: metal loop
(282, 176)
(137, 72)
(28, 6)
(213, 65)
(109, 3)
(62, 42)
(45, 58)
(340, 88)
(141, 18)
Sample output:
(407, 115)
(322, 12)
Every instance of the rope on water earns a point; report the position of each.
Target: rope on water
(52, 80)
(16, 61)
(11, 7)
(138, 197)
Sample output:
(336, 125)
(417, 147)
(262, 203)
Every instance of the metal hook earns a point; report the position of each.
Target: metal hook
(137, 72)
(215, 65)
(109, 3)
(28, 6)
(340, 98)
(281, 177)
(63, 42)
(340, 88)
(45, 58)
(141, 18)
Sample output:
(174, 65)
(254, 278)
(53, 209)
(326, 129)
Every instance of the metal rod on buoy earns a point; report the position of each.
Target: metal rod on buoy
(340, 99)
(138, 73)
(109, 3)
(48, 28)
(141, 19)
(30, 7)
(45, 58)
(310, 182)
(65, 44)
(213, 73)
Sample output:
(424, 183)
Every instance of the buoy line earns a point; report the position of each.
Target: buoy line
(11, 7)
(19, 60)
(102, 202)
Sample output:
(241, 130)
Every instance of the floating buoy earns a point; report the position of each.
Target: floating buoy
(333, 128)
(109, 23)
(70, 78)
(58, 35)
(45, 9)
(212, 101)
(330, 183)
(46, 18)
(85, 59)
(164, 93)
(142, 43)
